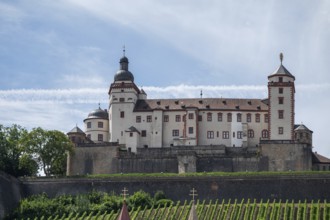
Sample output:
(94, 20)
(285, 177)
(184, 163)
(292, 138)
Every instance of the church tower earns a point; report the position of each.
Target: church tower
(281, 96)
(123, 95)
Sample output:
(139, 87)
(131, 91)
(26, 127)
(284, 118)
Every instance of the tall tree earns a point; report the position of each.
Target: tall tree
(50, 149)
(13, 156)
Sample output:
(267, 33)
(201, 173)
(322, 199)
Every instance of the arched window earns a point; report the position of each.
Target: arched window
(250, 133)
(264, 133)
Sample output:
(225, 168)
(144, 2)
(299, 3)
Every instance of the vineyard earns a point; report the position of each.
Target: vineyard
(224, 210)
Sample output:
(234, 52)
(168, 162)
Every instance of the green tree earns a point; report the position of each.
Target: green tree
(14, 159)
(50, 150)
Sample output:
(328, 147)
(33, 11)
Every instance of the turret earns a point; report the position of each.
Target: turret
(97, 125)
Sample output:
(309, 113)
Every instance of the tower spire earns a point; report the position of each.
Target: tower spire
(124, 50)
(281, 57)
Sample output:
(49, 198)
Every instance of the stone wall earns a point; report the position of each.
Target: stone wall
(284, 156)
(92, 160)
(310, 187)
(10, 193)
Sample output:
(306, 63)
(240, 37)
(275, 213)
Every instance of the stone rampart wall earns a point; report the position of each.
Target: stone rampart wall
(311, 187)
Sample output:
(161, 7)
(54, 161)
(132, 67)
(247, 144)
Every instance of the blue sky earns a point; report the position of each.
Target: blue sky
(58, 58)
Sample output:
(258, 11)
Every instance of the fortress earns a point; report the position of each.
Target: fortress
(137, 134)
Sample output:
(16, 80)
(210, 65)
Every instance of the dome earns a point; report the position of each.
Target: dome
(98, 113)
(123, 74)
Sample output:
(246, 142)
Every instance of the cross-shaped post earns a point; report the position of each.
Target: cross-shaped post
(193, 194)
(124, 194)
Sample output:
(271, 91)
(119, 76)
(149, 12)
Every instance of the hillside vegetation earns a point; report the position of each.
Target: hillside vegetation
(141, 205)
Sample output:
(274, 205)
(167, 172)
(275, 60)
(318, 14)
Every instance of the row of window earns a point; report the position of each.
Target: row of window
(99, 137)
(99, 124)
(225, 134)
(209, 117)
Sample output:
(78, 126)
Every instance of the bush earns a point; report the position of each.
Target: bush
(140, 198)
(159, 195)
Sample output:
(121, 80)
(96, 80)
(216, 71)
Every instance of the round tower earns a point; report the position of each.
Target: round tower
(97, 125)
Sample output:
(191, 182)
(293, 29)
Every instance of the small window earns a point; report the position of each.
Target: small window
(210, 134)
(280, 100)
(191, 130)
(257, 117)
(149, 118)
(143, 133)
(229, 117)
(209, 116)
(200, 118)
(122, 114)
(191, 115)
(89, 124)
(280, 130)
(178, 118)
(250, 133)
(138, 119)
(89, 136)
(233, 134)
(175, 133)
(280, 79)
(264, 133)
(239, 134)
(225, 134)
(248, 117)
(100, 137)
(280, 114)
(219, 116)
(100, 124)
(166, 118)
(239, 117)
(280, 90)
(266, 118)
(121, 99)
(131, 134)
(217, 133)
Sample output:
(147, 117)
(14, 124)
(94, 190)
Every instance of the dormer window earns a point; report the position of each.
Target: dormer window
(280, 79)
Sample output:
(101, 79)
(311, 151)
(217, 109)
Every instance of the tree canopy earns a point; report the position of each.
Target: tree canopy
(24, 153)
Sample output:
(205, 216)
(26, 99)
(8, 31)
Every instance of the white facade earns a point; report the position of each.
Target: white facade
(136, 122)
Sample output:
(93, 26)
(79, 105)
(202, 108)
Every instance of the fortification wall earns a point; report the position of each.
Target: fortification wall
(287, 157)
(10, 193)
(92, 160)
(310, 187)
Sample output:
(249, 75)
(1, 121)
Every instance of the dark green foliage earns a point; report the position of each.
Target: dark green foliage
(70, 205)
(140, 198)
(23, 153)
(159, 195)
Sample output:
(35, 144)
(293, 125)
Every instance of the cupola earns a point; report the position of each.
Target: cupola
(123, 74)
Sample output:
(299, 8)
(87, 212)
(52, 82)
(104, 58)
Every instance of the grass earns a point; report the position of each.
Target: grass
(197, 174)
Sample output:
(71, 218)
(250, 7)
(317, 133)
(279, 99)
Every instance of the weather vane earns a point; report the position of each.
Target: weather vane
(281, 57)
(124, 50)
